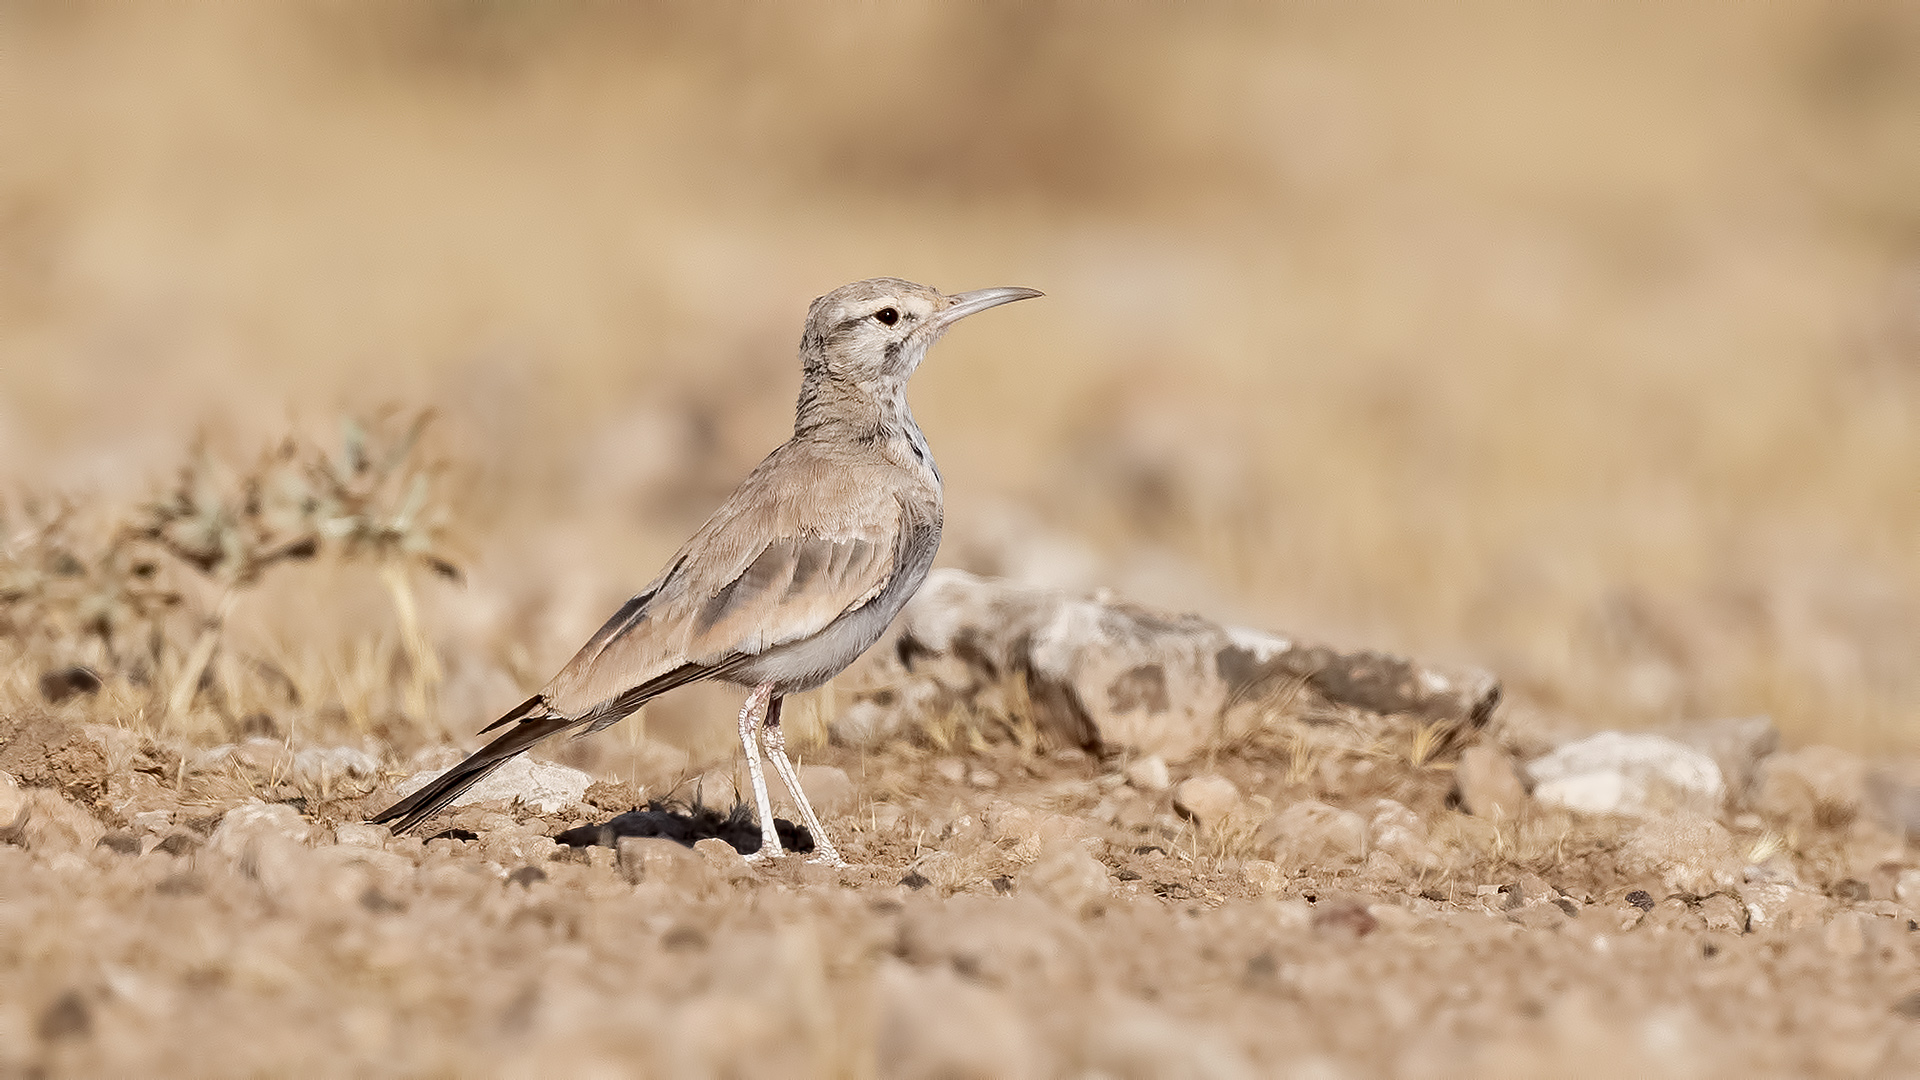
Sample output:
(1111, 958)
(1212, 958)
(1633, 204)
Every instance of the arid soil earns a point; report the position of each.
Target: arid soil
(1578, 345)
(1003, 913)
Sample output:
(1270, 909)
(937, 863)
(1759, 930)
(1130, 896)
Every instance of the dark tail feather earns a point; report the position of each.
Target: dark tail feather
(447, 787)
(519, 712)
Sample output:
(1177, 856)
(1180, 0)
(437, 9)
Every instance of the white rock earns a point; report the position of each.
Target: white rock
(544, 786)
(1617, 772)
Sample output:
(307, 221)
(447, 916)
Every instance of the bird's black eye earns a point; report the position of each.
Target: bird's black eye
(887, 316)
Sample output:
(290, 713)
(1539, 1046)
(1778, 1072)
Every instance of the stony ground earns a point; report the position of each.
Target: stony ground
(1003, 913)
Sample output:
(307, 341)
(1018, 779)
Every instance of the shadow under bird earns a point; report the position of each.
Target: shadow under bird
(796, 574)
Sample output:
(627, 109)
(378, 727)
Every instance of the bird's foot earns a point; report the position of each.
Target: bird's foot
(766, 854)
(828, 857)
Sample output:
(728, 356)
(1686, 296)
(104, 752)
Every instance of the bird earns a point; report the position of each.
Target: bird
(795, 575)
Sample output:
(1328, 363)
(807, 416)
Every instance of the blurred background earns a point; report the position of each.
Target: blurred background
(1580, 344)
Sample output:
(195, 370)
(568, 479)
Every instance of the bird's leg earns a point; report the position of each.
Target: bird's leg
(750, 712)
(776, 739)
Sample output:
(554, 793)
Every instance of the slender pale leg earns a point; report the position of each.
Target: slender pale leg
(776, 739)
(750, 713)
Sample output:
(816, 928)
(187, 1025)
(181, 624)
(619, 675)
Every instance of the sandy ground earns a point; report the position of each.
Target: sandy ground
(1002, 914)
(1580, 345)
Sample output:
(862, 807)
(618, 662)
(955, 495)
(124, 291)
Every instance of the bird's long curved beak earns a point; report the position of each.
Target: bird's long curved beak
(968, 303)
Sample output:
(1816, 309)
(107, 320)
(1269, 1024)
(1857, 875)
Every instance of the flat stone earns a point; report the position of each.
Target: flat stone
(1115, 678)
(884, 817)
(1634, 774)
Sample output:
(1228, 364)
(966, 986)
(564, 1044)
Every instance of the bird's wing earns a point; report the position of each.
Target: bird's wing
(771, 567)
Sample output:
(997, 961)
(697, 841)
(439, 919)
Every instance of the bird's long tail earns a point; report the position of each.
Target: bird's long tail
(449, 785)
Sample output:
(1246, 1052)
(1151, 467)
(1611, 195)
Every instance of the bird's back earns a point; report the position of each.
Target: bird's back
(824, 540)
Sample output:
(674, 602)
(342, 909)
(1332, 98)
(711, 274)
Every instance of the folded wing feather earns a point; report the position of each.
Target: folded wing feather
(792, 588)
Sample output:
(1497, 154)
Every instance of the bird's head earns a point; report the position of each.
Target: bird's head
(877, 331)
